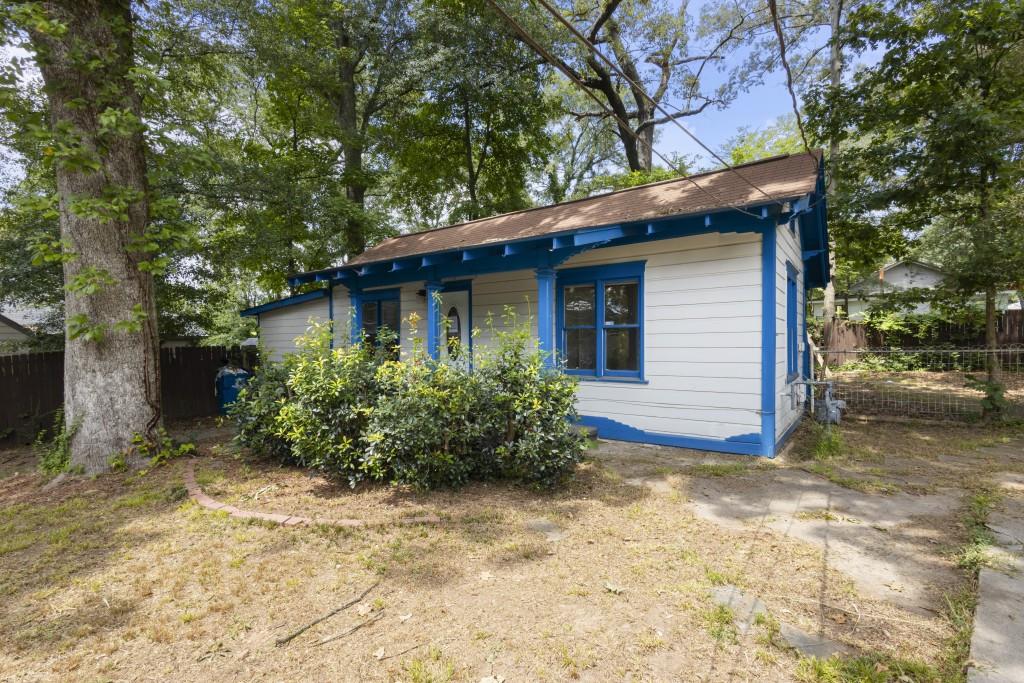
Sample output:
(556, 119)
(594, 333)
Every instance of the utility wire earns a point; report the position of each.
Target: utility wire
(624, 125)
(657, 105)
(789, 73)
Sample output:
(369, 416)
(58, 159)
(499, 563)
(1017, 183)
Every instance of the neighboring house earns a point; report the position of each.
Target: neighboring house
(895, 277)
(678, 304)
(12, 334)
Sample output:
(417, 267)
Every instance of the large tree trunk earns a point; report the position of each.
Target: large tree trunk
(995, 368)
(835, 69)
(112, 373)
(346, 105)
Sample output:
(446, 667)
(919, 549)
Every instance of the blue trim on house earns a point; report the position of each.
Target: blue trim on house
(542, 251)
(613, 429)
(768, 341)
(600, 276)
(285, 302)
(356, 316)
(545, 318)
(330, 310)
(433, 319)
(792, 341)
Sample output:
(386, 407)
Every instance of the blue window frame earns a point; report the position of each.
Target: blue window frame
(792, 336)
(600, 320)
(376, 310)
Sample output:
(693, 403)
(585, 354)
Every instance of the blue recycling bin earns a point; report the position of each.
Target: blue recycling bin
(228, 383)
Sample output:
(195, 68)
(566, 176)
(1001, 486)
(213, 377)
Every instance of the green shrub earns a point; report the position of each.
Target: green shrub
(330, 394)
(426, 428)
(356, 413)
(531, 411)
(255, 412)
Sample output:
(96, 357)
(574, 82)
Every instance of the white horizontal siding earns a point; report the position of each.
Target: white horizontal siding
(280, 327)
(494, 294)
(342, 316)
(702, 338)
(787, 248)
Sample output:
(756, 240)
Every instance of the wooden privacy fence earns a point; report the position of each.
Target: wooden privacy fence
(32, 385)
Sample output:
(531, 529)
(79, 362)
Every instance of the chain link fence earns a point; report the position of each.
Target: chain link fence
(922, 383)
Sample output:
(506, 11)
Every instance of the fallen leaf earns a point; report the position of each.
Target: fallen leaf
(612, 588)
(379, 654)
(405, 617)
(364, 609)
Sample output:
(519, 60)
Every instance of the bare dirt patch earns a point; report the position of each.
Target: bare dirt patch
(120, 578)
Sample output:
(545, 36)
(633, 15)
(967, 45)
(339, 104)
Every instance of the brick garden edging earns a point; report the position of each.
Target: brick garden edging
(204, 501)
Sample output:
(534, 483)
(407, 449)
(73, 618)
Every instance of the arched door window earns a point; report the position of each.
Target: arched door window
(454, 332)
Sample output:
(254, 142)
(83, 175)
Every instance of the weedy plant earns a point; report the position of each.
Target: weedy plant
(55, 451)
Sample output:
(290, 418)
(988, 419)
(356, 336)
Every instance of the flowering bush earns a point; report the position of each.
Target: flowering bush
(357, 413)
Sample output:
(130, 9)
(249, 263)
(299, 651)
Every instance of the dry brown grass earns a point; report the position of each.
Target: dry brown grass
(118, 578)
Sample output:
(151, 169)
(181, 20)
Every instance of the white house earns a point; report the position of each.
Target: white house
(12, 334)
(896, 277)
(679, 304)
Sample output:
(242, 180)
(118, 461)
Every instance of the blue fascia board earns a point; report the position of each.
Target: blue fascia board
(285, 302)
(608, 428)
(768, 341)
(598, 236)
(681, 225)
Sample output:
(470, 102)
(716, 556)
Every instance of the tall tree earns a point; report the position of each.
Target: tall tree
(84, 50)
(348, 63)
(936, 128)
(660, 68)
(479, 125)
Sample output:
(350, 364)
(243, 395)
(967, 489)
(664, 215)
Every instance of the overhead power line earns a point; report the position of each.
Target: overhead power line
(789, 73)
(624, 125)
(637, 87)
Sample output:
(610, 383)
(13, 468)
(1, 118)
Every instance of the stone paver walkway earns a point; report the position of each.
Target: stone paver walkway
(204, 501)
(997, 646)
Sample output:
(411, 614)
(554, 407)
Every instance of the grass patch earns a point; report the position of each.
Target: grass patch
(828, 442)
(711, 469)
(977, 551)
(720, 624)
(828, 471)
(822, 515)
(872, 668)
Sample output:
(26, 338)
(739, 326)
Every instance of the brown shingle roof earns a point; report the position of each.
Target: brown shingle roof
(782, 177)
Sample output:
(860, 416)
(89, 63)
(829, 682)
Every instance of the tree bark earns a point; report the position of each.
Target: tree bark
(346, 106)
(112, 382)
(835, 69)
(995, 369)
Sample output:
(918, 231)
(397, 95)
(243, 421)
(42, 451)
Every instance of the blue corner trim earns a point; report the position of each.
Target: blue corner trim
(433, 319)
(613, 429)
(768, 350)
(285, 302)
(356, 316)
(330, 310)
(545, 317)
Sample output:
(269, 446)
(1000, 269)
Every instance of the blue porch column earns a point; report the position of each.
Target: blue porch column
(434, 318)
(355, 316)
(545, 313)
